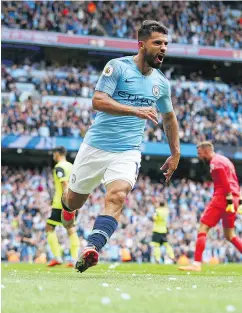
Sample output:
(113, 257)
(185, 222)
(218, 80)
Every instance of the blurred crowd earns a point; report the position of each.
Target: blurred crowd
(189, 22)
(206, 111)
(51, 79)
(26, 204)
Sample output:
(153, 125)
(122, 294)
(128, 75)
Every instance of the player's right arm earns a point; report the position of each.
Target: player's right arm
(103, 101)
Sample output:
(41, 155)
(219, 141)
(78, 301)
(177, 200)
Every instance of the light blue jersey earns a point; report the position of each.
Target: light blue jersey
(122, 80)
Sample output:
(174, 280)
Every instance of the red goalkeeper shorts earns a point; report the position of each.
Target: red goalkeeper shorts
(216, 210)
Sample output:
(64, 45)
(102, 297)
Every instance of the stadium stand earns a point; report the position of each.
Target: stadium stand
(190, 22)
(206, 110)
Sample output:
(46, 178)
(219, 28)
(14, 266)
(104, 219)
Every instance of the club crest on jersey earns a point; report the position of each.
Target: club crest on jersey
(108, 70)
(156, 91)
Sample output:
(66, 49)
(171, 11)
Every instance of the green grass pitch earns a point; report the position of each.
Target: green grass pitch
(127, 288)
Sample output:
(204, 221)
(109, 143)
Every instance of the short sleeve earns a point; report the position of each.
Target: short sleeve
(164, 103)
(60, 174)
(109, 79)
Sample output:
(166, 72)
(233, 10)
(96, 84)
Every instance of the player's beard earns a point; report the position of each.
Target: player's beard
(150, 60)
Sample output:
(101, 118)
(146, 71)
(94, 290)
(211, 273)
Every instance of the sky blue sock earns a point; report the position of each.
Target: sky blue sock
(103, 229)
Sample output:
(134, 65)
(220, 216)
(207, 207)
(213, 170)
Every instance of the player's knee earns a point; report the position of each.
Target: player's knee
(70, 230)
(120, 197)
(116, 197)
(229, 237)
(203, 228)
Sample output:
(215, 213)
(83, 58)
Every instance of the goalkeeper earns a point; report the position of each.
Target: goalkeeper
(226, 202)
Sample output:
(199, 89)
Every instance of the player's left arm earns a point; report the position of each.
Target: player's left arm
(171, 129)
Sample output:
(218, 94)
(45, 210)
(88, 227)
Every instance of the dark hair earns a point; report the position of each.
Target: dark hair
(61, 150)
(148, 27)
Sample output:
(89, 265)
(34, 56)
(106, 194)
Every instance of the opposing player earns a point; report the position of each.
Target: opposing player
(126, 95)
(160, 230)
(224, 204)
(61, 176)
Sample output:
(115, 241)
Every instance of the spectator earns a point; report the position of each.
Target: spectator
(44, 130)
(190, 22)
(205, 110)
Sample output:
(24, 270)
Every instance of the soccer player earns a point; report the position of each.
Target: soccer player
(126, 95)
(61, 175)
(159, 236)
(224, 204)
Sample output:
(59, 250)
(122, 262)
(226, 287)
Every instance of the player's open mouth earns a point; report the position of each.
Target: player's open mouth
(160, 58)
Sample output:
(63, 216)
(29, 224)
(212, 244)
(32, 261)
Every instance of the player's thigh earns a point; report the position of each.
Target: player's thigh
(213, 213)
(54, 219)
(163, 239)
(71, 230)
(125, 167)
(87, 172)
(228, 219)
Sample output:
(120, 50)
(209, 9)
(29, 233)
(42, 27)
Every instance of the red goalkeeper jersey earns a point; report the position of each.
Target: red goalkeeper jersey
(224, 176)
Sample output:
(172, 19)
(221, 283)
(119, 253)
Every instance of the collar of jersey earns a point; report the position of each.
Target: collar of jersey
(139, 69)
